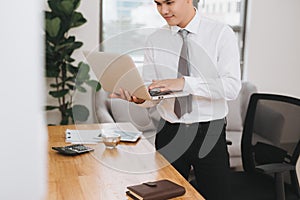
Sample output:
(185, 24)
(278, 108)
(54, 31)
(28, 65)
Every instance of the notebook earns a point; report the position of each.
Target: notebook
(116, 71)
(157, 190)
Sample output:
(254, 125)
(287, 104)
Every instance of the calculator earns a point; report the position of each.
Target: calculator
(74, 149)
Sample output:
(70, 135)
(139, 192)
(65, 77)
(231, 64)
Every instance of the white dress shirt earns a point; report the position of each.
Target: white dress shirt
(214, 68)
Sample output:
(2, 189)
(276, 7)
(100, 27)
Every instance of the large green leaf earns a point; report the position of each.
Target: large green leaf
(77, 20)
(83, 73)
(71, 87)
(71, 79)
(68, 58)
(72, 69)
(67, 6)
(67, 49)
(77, 45)
(76, 4)
(94, 84)
(74, 46)
(61, 7)
(70, 39)
(53, 26)
(53, 5)
(66, 42)
(54, 85)
(80, 113)
(63, 46)
(58, 94)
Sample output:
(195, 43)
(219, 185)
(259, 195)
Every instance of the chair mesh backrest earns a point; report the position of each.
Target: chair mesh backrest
(271, 131)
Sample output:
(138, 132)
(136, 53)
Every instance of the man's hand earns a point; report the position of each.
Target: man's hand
(123, 94)
(168, 84)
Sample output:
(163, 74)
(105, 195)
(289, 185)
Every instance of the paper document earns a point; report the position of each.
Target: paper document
(82, 136)
(94, 136)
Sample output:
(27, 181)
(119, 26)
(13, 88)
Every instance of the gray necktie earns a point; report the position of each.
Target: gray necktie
(183, 104)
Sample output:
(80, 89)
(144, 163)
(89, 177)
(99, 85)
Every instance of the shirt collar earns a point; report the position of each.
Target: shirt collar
(192, 26)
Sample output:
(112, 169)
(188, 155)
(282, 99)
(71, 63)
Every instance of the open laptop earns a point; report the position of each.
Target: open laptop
(116, 71)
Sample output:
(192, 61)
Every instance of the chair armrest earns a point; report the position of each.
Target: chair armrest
(104, 116)
(275, 168)
(102, 112)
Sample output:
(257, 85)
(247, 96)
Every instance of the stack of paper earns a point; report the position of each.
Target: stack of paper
(83, 136)
(94, 136)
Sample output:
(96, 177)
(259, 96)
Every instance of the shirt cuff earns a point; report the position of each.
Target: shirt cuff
(191, 84)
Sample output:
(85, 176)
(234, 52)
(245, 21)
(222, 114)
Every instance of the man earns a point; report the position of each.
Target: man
(194, 136)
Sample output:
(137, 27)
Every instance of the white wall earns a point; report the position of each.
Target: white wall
(23, 171)
(273, 46)
(89, 32)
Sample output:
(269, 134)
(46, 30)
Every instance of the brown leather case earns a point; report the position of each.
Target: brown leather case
(157, 190)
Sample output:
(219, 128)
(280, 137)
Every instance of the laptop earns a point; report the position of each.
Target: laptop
(116, 71)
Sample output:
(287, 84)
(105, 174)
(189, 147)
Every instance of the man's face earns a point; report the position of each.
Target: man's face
(175, 12)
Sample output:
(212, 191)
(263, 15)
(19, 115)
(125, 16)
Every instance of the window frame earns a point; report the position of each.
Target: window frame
(239, 29)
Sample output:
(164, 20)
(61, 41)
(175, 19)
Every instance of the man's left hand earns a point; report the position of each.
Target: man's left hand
(168, 84)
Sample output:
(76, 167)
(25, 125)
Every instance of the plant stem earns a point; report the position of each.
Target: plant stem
(57, 89)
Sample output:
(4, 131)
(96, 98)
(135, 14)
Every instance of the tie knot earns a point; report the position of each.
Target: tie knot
(183, 33)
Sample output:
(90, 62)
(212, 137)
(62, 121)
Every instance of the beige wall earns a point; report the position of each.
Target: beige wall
(273, 46)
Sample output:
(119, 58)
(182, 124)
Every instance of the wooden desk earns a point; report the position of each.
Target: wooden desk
(104, 174)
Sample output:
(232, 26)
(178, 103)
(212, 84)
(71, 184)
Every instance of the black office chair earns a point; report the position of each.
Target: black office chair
(270, 150)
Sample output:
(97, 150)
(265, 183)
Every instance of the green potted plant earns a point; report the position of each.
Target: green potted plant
(67, 78)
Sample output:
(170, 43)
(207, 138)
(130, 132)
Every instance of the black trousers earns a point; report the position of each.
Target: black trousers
(203, 146)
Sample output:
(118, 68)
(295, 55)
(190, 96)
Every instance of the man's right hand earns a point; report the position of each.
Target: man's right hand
(125, 95)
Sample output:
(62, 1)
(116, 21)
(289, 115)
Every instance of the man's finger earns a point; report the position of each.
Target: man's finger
(128, 96)
(115, 95)
(122, 95)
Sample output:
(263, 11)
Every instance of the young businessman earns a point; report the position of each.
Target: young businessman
(199, 56)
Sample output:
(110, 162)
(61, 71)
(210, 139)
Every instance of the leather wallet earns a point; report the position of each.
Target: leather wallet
(156, 190)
